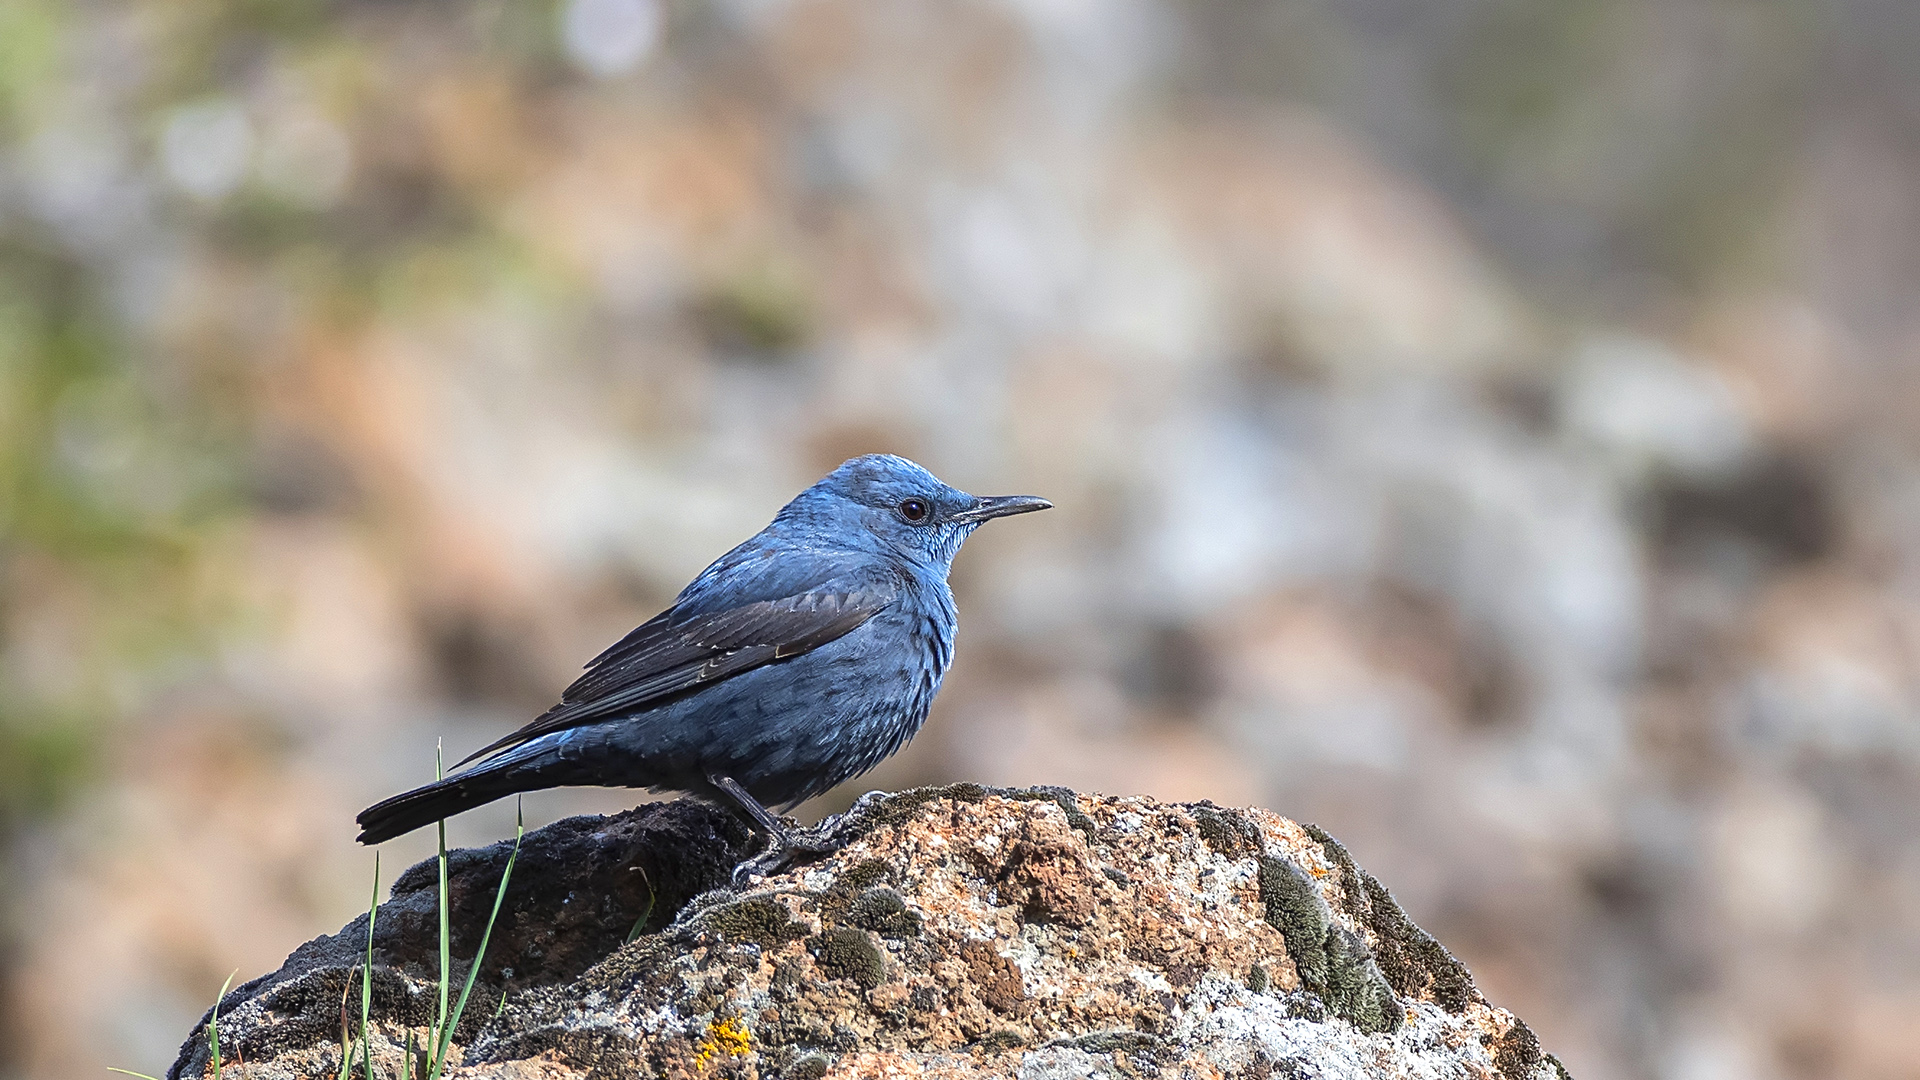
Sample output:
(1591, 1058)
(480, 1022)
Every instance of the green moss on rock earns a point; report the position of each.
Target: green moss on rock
(884, 912)
(1003, 1039)
(759, 921)
(1414, 963)
(849, 954)
(1517, 1053)
(849, 885)
(1225, 831)
(1333, 962)
(1356, 990)
(807, 1067)
(1294, 907)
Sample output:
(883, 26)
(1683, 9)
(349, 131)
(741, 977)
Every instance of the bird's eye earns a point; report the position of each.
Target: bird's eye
(913, 509)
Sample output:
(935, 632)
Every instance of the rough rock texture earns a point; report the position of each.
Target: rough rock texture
(956, 932)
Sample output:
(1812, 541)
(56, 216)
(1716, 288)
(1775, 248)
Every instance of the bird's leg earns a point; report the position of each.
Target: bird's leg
(784, 846)
(751, 807)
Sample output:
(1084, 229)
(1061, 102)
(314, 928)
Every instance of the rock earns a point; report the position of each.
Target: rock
(955, 932)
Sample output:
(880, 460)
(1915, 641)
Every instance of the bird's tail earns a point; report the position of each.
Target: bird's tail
(441, 799)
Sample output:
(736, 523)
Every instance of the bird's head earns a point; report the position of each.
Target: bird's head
(886, 500)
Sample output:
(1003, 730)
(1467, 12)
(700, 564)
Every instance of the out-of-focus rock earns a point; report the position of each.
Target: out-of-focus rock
(960, 931)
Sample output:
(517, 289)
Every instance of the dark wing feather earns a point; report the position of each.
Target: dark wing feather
(675, 652)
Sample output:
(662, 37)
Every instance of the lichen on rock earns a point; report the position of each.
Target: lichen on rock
(954, 932)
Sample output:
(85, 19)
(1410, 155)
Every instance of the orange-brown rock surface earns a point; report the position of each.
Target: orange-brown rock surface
(954, 932)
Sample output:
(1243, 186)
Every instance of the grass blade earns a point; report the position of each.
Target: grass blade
(439, 1057)
(366, 973)
(213, 1026)
(446, 942)
(346, 1033)
(130, 1072)
(646, 912)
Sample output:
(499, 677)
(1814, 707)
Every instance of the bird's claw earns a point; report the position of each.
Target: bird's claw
(781, 854)
(791, 844)
(787, 848)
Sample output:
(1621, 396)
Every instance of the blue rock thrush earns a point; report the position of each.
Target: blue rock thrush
(801, 658)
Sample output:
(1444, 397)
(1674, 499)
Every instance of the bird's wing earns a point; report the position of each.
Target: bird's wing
(680, 650)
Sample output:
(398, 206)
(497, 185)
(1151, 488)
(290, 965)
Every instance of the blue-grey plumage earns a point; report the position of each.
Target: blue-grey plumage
(803, 657)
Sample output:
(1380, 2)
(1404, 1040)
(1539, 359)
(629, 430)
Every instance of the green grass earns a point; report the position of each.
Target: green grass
(213, 1025)
(437, 1060)
(646, 912)
(440, 1033)
(366, 971)
(366, 991)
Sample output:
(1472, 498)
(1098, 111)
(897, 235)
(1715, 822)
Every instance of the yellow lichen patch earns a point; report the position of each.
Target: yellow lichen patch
(725, 1038)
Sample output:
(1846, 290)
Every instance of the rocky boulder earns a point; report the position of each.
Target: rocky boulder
(953, 932)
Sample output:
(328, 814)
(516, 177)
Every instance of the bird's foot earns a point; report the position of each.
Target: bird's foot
(787, 844)
(785, 849)
(790, 844)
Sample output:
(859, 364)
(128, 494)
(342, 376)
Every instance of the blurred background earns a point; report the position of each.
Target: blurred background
(1488, 429)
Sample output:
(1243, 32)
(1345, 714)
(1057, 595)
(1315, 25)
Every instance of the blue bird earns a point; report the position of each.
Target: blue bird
(803, 657)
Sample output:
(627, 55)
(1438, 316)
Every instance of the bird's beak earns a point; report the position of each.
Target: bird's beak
(993, 506)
